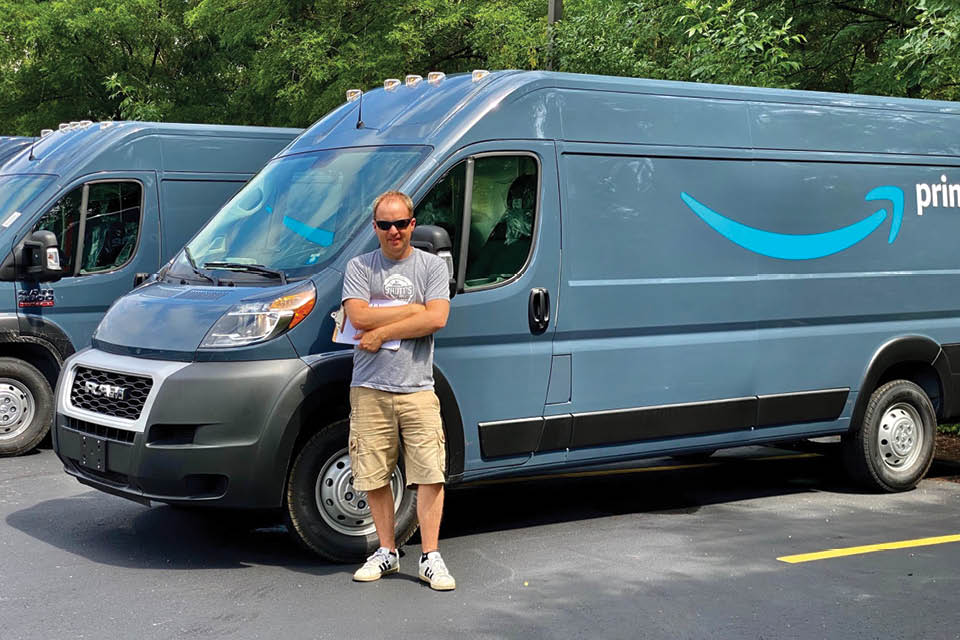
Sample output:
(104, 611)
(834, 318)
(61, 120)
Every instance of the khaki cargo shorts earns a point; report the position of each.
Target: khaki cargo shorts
(379, 420)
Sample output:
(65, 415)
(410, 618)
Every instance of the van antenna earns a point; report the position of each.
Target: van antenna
(32, 145)
(360, 111)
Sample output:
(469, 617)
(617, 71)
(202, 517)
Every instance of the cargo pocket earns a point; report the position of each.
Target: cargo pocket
(356, 465)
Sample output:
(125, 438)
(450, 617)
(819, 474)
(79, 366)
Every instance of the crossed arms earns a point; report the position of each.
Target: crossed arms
(377, 325)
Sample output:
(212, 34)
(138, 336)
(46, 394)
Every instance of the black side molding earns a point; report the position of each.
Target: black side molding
(539, 434)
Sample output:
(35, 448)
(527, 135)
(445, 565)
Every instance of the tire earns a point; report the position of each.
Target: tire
(26, 407)
(322, 511)
(894, 446)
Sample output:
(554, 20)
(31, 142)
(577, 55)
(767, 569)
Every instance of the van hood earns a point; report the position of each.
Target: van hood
(168, 321)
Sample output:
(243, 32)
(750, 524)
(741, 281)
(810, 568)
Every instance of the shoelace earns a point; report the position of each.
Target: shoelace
(381, 555)
(439, 568)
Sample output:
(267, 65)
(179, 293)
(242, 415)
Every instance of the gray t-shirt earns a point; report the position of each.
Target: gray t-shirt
(419, 277)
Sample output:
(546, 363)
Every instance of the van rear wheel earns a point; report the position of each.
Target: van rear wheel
(325, 513)
(26, 407)
(894, 446)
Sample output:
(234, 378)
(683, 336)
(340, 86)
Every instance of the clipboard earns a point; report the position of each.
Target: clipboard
(343, 331)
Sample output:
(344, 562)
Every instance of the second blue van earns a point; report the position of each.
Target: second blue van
(112, 202)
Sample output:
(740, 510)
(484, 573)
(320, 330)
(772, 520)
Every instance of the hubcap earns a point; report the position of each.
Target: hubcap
(341, 506)
(16, 408)
(900, 437)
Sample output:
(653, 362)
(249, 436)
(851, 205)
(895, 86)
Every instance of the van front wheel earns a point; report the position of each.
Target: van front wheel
(893, 448)
(26, 407)
(325, 513)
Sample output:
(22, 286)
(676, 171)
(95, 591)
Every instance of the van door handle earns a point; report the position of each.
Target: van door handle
(539, 310)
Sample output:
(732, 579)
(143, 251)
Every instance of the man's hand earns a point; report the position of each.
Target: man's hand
(369, 340)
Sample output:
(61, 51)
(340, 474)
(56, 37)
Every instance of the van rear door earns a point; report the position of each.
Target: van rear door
(496, 348)
(108, 230)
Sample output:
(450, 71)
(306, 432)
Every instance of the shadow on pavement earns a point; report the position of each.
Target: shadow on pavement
(114, 531)
(527, 503)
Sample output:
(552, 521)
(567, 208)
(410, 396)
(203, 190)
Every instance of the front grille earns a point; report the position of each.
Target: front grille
(117, 435)
(120, 395)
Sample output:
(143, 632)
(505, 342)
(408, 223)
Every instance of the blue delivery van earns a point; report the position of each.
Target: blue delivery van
(106, 204)
(640, 268)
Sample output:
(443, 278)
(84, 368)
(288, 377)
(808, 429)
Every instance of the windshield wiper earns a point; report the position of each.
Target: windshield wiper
(250, 268)
(193, 265)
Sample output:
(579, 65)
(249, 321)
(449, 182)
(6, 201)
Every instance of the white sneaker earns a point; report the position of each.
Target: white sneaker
(435, 572)
(383, 562)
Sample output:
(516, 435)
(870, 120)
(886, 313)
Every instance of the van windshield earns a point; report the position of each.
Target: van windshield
(300, 210)
(16, 192)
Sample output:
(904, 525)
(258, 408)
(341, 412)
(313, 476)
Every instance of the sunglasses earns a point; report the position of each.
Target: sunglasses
(384, 225)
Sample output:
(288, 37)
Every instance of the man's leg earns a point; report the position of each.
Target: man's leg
(430, 511)
(374, 443)
(381, 507)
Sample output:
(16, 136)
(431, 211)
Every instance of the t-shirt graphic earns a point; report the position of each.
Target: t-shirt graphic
(398, 287)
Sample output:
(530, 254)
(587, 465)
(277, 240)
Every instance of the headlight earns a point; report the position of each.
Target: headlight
(259, 320)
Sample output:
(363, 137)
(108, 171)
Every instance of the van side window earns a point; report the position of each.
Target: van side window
(503, 206)
(501, 218)
(63, 219)
(110, 228)
(112, 225)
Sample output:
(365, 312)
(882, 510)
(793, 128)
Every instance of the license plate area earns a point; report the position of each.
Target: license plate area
(93, 453)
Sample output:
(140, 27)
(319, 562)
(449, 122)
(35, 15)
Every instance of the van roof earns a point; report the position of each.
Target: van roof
(115, 146)
(561, 106)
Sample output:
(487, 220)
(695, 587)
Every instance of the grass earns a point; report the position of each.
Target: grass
(950, 428)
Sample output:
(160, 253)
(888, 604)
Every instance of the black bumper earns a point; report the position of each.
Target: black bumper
(217, 434)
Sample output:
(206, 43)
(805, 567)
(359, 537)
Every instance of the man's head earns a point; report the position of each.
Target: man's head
(394, 210)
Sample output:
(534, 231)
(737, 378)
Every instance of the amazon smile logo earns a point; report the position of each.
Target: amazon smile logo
(805, 246)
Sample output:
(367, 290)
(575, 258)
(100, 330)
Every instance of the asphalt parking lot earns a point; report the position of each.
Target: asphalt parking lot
(668, 550)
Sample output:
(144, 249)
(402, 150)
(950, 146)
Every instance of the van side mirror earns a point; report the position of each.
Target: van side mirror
(36, 258)
(436, 240)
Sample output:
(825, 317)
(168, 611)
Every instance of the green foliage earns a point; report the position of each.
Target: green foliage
(287, 62)
(928, 56)
(953, 429)
(736, 46)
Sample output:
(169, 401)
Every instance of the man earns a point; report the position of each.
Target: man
(397, 293)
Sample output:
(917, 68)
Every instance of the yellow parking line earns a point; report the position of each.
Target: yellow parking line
(615, 472)
(870, 548)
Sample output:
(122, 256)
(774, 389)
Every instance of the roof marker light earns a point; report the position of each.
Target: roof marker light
(64, 127)
(106, 124)
(390, 84)
(412, 80)
(479, 74)
(74, 125)
(354, 94)
(86, 123)
(45, 132)
(436, 77)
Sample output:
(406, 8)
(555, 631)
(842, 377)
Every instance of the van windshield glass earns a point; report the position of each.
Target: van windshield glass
(16, 192)
(300, 210)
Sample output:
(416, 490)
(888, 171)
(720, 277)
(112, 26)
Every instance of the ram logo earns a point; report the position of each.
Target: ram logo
(105, 390)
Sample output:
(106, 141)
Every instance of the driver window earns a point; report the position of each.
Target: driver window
(503, 207)
(110, 230)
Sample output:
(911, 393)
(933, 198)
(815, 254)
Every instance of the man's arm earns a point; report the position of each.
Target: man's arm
(364, 317)
(418, 325)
